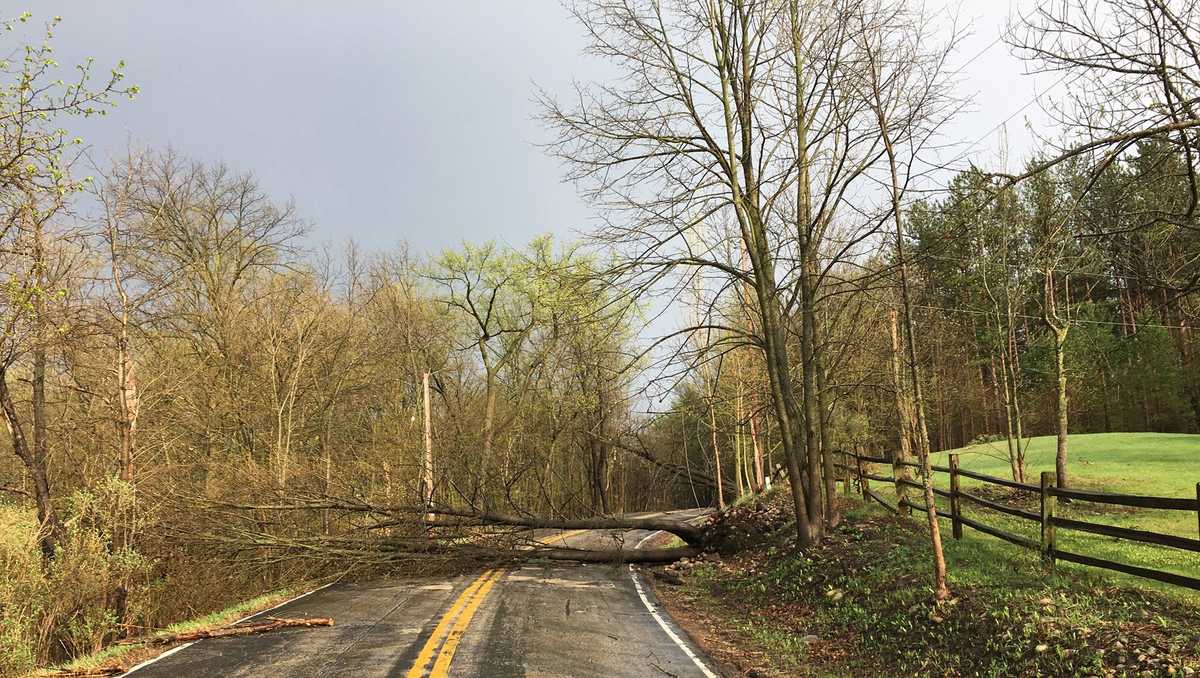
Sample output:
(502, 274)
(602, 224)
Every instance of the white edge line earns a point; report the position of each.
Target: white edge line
(173, 650)
(653, 609)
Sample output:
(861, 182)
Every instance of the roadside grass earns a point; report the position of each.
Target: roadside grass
(861, 604)
(127, 655)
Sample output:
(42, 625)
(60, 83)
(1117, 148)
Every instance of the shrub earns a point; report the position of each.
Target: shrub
(55, 610)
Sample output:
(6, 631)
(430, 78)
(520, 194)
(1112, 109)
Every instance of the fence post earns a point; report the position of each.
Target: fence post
(955, 506)
(846, 474)
(862, 478)
(901, 489)
(1198, 504)
(1048, 502)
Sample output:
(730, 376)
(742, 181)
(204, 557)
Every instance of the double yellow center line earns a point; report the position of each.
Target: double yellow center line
(453, 624)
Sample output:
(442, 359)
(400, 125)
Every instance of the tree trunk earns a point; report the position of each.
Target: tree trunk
(1060, 454)
(1018, 423)
(1104, 399)
(754, 236)
(738, 454)
(427, 460)
(941, 591)
(1058, 327)
(712, 425)
(827, 470)
(1009, 434)
(50, 530)
(759, 480)
(904, 417)
(489, 432)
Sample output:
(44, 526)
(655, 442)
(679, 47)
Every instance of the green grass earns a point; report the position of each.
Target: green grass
(114, 654)
(1159, 464)
(1162, 464)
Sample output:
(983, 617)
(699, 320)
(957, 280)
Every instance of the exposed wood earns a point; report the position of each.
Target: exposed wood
(272, 624)
(640, 556)
(995, 506)
(999, 481)
(955, 502)
(1000, 534)
(883, 502)
(1144, 572)
(689, 533)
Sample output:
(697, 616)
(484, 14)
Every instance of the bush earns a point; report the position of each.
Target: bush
(52, 611)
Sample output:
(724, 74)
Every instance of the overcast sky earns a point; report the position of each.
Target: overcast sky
(407, 120)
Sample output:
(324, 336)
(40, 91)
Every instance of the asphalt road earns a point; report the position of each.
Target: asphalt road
(559, 619)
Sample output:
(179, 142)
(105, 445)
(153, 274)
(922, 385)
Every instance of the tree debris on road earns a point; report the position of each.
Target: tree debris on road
(272, 624)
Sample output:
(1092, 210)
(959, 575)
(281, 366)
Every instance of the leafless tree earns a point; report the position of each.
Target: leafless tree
(746, 113)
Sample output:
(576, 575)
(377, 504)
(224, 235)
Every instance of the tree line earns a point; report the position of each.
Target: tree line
(187, 380)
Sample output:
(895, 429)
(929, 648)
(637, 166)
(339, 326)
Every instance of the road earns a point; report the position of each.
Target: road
(560, 619)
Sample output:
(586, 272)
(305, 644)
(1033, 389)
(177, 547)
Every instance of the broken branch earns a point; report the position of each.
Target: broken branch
(273, 624)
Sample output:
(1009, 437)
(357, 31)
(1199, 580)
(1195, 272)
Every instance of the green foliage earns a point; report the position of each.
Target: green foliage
(33, 96)
(64, 607)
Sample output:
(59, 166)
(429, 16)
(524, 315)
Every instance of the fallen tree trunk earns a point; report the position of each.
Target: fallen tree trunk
(390, 517)
(272, 624)
(450, 533)
(85, 673)
(693, 535)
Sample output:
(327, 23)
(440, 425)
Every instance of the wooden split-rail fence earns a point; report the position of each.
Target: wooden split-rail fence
(855, 467)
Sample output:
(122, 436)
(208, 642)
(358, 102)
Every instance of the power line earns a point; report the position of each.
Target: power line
(1023, 316)
(1164, 282)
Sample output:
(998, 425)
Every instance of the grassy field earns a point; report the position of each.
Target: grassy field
(1160, 464)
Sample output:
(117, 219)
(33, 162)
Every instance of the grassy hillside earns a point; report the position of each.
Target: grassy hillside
(1159, 464)
(1163, 464)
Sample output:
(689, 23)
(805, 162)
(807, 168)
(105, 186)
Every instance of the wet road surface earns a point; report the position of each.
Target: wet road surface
(559, 619)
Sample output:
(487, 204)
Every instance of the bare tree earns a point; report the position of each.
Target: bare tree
(739, 112)
(907, 88)
(1134, 67)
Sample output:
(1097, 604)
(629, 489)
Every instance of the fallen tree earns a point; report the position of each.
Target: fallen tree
(691, 534)
(399, 515)
(377, 534)
(272, 624)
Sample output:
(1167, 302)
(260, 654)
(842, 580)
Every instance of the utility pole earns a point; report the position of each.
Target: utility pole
(427, 465)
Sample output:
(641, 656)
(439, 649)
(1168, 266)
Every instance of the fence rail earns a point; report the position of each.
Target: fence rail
(854, 468)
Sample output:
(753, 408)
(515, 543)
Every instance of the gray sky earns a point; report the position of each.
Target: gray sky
(403, 120)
